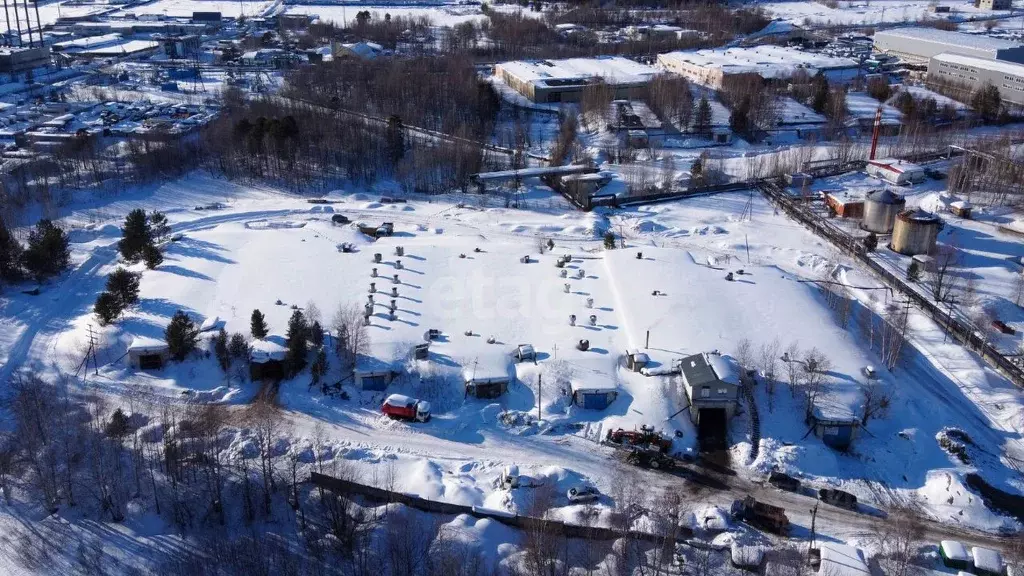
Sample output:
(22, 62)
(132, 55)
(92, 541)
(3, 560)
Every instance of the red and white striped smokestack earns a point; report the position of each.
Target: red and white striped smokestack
(877, 131)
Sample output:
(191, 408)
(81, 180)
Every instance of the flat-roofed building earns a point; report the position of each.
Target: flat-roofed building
(564, 80)
(917, 45)
(716, 68)
(968, 73)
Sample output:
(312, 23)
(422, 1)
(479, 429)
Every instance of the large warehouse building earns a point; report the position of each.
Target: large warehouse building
(918, 45)
(717, 67)
(973, 73)
(564, 80)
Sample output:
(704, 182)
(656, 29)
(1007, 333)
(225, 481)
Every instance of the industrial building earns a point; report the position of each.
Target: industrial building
(564, 80)
(973, 73)
(712, 382)
(918, 45)
(715, 68)
(14, 60)
(895, 171)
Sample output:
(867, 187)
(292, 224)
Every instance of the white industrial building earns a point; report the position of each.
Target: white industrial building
(716, 67)
(918, 45)
(973, 73)
(564, 80)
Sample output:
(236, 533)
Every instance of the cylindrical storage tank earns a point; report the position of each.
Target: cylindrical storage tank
(915, 232)
(880, 210)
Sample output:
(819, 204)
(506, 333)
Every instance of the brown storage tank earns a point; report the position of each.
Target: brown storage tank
(915, 232)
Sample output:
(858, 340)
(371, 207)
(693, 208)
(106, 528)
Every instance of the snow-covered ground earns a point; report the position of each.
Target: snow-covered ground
(262, 247)
(873, 12)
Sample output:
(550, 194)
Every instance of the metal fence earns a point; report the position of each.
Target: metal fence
(957, 328)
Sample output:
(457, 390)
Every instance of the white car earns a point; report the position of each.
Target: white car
(581, 494)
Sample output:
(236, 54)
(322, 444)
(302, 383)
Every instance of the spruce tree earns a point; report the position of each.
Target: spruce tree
(118, 426)
(159, 228)
(48, 252)
(295, 342)
(124, 285)
(609, 240)
(258, 325)
(819, 98)
(10, 255)
(135, 235)
(316, 335)
(220, 349)
(152, 256)
(702, 117)
(319, 367)
(107, 307)
(181, 336)
(238, 347)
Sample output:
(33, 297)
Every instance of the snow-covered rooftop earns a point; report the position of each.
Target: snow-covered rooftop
(612, 69)
(726, 368)
(267, 349)
(954, 550)
(1000, 66)
(147, 344)
(959, 39)
(990, 561)
(592, 385)
(842, 560)
(767, 61)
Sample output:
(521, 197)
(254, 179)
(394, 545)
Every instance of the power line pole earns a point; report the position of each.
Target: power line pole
(539, 376)
(814, 518)
(92, 351)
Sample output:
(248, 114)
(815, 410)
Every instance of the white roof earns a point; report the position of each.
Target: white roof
(591, 386)
(129, 47)
(842, 560)
(726, 368)
(485, 372)
(970, 41)
(987, 560)
(267, 349)
(1001, 66)
(612, 69)
(88, 42)
(960, 204)
(954, 550)
(147, 344)
(767, 61)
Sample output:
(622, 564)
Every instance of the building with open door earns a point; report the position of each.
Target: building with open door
(148, 353)
(712, 383)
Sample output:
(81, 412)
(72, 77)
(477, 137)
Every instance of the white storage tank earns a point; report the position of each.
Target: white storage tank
(915, 232)
(880, 210)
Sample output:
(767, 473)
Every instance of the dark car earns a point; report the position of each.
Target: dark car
(340, 219)
(838, 498)
(784, 481)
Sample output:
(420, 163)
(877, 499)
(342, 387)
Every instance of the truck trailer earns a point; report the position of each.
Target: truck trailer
(402, 407)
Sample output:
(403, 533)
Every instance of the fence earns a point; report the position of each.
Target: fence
(527, 523)
(954, 326)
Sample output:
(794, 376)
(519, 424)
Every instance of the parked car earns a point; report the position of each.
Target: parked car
(581, 494)
(784, 481)
(340, 219)
(838, 498)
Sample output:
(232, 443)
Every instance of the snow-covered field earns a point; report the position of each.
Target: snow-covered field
(462, 274)
(873, 12)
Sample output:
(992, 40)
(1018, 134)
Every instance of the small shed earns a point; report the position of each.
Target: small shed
(834, 423)
(954, 555)
(266, 358)
(961, 209)
(842, 560)
(799, 179)
(372, 379)
(895, 171)
(148, 353)
(484, 382)
(845, 204)
(988, 562)
(593, 395)
(636, 360)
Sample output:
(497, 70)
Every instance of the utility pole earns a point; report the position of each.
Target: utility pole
(746, 243)
(814, 518)
(647, 343)
(92, 351)
(539, 376)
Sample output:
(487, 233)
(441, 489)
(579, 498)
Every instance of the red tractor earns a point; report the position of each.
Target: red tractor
(646, 437)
